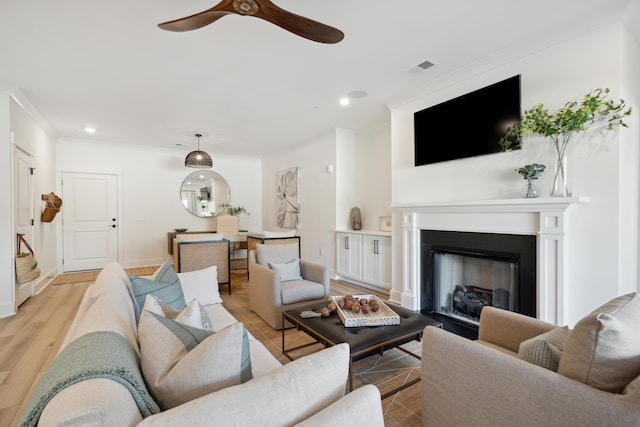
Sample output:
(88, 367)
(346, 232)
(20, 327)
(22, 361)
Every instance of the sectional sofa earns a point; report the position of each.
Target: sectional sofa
(307, 392)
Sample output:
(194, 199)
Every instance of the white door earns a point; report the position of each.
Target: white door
(89, 221)
(23, 212)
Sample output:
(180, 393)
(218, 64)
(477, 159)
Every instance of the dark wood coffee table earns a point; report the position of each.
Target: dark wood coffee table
(364, 341)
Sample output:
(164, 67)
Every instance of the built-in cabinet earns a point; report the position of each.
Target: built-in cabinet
(364, 257)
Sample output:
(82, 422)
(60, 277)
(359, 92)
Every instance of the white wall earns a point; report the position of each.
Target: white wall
(374, 174)
(6, 216)
(150, 183)
(30, 137)
(554, 75)
(361, 177)
(317, 195)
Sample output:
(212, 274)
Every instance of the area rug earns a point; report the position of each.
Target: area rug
(90, 276)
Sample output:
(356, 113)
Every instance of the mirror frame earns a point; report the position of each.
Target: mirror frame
(198, 189)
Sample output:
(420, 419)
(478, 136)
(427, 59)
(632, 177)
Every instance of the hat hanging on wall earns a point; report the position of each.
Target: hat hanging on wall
(198, 159)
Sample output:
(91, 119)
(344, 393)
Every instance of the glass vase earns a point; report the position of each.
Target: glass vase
(561, 151)
(530, 190)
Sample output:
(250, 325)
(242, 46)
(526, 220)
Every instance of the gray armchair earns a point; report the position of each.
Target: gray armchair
(269, 296)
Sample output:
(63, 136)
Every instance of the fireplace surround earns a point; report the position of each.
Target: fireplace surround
(544, 218)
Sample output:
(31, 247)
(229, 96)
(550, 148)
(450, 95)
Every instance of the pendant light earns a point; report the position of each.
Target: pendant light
(198, 159)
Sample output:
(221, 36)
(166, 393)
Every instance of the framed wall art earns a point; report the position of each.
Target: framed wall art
(288, 198)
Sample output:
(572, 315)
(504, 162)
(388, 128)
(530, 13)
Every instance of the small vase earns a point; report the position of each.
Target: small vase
(530, 190)
(561, 150)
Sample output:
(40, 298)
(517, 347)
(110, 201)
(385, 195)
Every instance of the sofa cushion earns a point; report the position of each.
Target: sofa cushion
(165, 285)
(288, 270)
(276, 253)
(603, 350)
(300, 290)
(545, 349)
(286, 396)
(193, 314)
(181, 363)
(201, 285)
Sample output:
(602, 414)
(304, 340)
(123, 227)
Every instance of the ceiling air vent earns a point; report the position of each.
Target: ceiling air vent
(426, 64)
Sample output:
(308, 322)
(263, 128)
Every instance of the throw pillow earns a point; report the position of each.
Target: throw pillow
(201, 285)
(603, 350)
(284, 396)
(288, 271)
(276, 253)
(545, 349)
(165, 285)
(181, 363)
(193, 314)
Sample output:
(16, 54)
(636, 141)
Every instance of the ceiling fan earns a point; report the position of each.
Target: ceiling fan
(263, 9)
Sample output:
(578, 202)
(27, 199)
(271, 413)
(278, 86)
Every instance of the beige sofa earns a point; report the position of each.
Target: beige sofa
(308, 391)
(485, 383)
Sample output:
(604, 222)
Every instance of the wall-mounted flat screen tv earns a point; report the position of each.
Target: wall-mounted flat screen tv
(467, 126)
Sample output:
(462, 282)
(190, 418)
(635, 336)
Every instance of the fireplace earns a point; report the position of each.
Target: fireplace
(543, 219)
(463, 272)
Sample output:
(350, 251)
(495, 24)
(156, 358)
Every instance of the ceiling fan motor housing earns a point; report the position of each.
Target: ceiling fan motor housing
(246, 7)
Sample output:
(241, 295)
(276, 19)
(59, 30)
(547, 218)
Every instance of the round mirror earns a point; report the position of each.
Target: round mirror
(203, 192)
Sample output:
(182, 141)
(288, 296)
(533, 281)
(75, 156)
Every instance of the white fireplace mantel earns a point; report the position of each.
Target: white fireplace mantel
(543, 217)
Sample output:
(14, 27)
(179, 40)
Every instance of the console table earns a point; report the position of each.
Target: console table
(238, 241)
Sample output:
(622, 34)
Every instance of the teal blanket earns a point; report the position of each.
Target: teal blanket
(99, 354)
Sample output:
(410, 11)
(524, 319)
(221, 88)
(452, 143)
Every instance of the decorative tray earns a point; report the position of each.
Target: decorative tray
(384, 316)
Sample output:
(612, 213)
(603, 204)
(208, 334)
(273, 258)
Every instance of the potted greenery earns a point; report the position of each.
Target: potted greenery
(562, 125)
(227, 209)
(530, 172)
(228, 220)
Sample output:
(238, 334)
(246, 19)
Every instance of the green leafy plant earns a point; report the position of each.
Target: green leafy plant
(575, 116)
(532, 171)
(233, 210)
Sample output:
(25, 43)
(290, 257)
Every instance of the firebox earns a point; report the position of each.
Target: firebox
(463, 272)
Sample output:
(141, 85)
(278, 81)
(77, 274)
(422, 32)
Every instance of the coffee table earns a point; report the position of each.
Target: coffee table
(364, 341)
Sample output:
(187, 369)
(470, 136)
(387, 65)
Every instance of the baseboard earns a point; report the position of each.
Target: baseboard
(45, 281)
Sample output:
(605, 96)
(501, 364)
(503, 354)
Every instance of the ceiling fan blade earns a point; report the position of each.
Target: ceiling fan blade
(201, 19)
(304, 27)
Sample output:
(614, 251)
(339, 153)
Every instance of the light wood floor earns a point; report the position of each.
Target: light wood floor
(30, 340)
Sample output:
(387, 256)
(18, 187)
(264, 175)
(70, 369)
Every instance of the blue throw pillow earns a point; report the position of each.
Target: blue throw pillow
(165, 286)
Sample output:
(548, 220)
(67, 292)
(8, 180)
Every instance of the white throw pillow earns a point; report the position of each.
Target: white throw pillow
(288, 271)
(201, 285)
(180, 363)
(193, 314)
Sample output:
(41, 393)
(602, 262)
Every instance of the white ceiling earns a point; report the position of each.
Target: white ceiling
(249, 86)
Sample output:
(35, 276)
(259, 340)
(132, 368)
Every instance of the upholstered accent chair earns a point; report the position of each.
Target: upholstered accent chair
(280, 281)
(197, 251)
(526, 372)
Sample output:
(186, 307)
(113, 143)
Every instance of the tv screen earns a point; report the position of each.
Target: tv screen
(467, 126)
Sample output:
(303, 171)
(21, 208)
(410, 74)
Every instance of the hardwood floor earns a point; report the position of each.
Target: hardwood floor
(30, 341)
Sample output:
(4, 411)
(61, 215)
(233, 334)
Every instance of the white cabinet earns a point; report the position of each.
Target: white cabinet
(348, 250)
(364, 258)
(376, 260)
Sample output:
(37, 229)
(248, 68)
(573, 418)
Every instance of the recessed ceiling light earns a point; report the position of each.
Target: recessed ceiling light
(344, 101)
(356, 94)
(90, 130)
